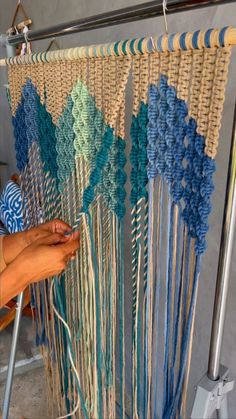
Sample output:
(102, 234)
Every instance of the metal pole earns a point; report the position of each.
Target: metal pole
(125, 15)
(226, 246)
(19, 305)
(12, 358)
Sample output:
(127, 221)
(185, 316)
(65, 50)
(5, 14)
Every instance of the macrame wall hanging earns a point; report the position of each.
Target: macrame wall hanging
(69, 112)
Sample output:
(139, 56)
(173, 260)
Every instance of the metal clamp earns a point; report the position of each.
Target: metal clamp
(211, 396)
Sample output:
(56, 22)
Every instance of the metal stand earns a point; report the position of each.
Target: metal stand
(11, 365)
(10, 50)
(214, 383)
(213, 388)
(211, 396)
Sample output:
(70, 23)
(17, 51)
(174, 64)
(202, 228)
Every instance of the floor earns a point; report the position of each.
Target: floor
(28, 396)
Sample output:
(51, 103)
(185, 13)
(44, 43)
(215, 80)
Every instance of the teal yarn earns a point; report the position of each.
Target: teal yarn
(96, 174)
(114, 178)
(142, 155)
(65, 144)
(47, 140)
(21, 139)
(138, 155)
(98, 320)
(62, 311)
(93, 141)
(134, 161)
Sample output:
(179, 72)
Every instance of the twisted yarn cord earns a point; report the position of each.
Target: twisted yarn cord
(217, 100)
(199, 141)
(171, 117)
(161, 122)
(65, 144)
(189, 154)
(177, 194)
(108, 139)
(181, 124)
(215, 112)
(170, 139)
(133, 201)
(153, 97)
(143, 160)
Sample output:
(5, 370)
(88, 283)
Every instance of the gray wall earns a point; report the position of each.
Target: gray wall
(45, 13)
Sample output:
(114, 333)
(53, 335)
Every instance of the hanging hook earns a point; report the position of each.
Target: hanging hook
(164, 7)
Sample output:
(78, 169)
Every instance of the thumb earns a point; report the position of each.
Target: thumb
(52, 239)
(70, 246)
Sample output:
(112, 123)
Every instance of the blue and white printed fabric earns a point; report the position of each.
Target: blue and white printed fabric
(11, 208)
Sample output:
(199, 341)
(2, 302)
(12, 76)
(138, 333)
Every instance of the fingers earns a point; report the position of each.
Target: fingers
(52, 239)
(70, 247)
(58, 226)
(73, 236)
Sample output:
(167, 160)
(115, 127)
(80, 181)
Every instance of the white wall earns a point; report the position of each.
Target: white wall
(45, 13)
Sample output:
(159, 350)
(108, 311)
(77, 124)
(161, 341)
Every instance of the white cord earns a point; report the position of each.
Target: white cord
(164, 7)
(69, 351)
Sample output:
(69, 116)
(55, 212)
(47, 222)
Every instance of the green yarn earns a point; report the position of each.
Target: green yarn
(83, 111)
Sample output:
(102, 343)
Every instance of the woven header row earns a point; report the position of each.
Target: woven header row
(210, 38)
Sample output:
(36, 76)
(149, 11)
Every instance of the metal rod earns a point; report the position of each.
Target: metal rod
(12, 358)
(10, 49)
(125, 15)
(226, 246)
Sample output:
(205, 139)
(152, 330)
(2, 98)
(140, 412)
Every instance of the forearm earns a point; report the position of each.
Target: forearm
(13, 244)
(12, 282)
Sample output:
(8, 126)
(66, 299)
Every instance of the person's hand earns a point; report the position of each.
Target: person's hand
(14, 244)
(42, 230)
(46, 256)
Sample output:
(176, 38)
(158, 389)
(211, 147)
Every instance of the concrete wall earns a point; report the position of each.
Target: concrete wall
(45, 13)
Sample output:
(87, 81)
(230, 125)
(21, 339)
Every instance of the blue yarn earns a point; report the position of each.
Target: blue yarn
(162, 126)
(204, 205)
(182, 41)
(98, 319)
(121, 303)
(21, 139)
(184, 350)
(152, 131)
(177, 301)
(207, 38)
(222, 36)
(170, 132)
(195, 39)
(169, 258)
(30, 95)
(157, 297)
(177, 189)
(148, 290)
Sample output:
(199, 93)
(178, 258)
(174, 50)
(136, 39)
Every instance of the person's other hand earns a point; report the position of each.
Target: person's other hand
(46, 256)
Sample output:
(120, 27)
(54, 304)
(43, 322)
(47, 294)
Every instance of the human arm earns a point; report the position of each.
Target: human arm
(46, 257)
(14, 244)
